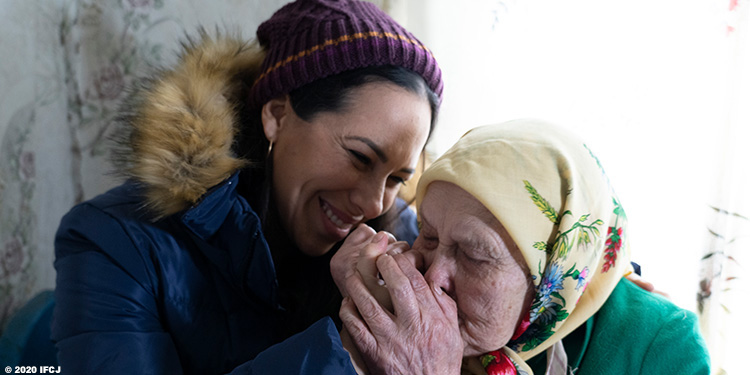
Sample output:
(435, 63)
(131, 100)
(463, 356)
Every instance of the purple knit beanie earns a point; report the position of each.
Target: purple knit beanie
(307, 40)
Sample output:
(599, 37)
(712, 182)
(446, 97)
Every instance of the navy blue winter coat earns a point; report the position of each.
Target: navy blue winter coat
(194, 291)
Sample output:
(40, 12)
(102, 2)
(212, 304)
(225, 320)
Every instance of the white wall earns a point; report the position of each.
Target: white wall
(643, 82)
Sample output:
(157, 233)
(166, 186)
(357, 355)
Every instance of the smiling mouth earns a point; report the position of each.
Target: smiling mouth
(344, 224)
(335, 219)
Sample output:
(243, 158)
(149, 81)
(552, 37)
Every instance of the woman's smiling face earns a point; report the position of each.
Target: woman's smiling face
(343, 168)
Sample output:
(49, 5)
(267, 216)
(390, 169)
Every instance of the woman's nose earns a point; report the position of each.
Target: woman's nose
(369, 197)
(440, 272)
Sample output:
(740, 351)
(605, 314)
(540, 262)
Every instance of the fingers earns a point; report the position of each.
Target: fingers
(369, 271)
(356, 327)
(360, 234)
(391, 237)
(416, 279)
(365, 263)
(415, 258)
(387, 341)
(425, 292)
(447, 303)
(370, 252)
(398, 247)
(373, 314)
(406, 286)
(412, 297)
(344, 262)
(645, 285)
(663, 294)
(637, 280)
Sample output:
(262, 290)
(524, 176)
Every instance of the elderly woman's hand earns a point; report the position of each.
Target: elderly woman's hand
(420, 336)
(358, 254)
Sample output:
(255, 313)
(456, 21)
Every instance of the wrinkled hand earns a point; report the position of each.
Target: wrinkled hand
(368, 270)
(420, 336)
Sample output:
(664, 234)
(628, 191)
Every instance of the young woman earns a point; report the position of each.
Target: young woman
(247, 164)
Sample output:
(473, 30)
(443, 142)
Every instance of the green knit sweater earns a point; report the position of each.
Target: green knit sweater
(635, 332)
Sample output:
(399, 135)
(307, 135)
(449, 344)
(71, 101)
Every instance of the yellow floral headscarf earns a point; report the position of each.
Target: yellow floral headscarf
(551, 194)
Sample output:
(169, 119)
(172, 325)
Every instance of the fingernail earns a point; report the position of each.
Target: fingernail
(391, 236)
(379, 237)
(357, 234)
(438, 289)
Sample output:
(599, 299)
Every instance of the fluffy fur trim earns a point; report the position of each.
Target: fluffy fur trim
(179, 126)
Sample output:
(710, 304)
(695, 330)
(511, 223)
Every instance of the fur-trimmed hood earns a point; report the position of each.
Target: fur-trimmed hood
(177, 129)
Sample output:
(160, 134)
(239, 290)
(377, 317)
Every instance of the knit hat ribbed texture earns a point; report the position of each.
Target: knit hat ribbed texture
(307, 40)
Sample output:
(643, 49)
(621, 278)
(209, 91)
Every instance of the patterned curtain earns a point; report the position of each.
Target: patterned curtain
(725, 280)
(64, 69)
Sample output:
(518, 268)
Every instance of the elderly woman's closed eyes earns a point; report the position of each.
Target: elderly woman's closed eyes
(468, 254)
(521, 257)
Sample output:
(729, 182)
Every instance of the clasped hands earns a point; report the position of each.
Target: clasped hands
(395, 321)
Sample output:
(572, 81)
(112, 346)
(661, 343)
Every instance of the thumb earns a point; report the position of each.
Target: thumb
(360, 234)
(369, 253)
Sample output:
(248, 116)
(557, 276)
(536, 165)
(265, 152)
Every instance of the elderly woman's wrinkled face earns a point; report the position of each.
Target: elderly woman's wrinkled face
(470, 255)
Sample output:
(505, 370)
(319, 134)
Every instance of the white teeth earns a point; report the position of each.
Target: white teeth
(335, 219)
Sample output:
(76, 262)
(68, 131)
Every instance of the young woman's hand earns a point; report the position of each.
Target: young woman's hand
(359, 253)
(344, 262)
(367, 268)
(644, 284)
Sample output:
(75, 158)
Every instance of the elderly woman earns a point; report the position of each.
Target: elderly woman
(524, 246)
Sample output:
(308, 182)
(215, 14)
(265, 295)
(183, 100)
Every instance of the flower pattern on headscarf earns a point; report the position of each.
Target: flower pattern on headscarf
(551, 194)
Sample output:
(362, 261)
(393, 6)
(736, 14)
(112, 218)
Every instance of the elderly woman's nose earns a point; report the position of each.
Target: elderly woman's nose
(440, 273)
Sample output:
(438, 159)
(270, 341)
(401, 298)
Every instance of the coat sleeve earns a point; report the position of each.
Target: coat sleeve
(106, 318)
(677, 348)
(107, 313)
(317, 350)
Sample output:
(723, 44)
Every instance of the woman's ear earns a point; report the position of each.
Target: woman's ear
(273, 114)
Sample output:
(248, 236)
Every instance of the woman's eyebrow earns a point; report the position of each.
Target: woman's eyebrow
(378, 151)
